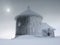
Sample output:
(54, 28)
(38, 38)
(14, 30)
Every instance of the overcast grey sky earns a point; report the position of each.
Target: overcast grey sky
(49, 9)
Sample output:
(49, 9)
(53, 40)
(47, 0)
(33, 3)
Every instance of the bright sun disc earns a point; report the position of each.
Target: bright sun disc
(8, 9)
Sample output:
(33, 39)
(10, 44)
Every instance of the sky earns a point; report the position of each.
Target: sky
(9, 9)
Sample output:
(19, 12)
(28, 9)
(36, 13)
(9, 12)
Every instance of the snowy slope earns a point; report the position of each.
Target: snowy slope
(31, 40)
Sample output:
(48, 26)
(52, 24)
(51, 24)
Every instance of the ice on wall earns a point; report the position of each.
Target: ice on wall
(34, 26)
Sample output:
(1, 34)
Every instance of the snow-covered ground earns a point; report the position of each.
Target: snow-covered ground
(31, 40)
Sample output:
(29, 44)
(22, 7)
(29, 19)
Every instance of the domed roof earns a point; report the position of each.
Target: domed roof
(29, 12)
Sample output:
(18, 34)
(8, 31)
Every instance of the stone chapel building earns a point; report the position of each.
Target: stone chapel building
(30, 23)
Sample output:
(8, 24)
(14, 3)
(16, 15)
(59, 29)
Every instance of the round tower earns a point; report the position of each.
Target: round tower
(28, 22)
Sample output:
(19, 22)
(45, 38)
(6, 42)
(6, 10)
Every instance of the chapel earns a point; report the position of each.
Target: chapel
(30, 23)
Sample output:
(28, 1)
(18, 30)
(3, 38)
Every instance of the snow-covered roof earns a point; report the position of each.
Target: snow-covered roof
(46, 26)
(29, 12)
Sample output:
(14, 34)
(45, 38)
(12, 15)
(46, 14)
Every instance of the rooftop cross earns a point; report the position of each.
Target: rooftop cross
(28, 7)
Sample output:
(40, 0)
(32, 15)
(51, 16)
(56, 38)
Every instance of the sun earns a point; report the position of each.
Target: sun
(8, 10)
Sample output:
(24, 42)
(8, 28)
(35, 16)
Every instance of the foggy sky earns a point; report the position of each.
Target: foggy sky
(49, 9)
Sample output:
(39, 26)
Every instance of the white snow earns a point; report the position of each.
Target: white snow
(31, 40)
(46, 26)
(29, 12)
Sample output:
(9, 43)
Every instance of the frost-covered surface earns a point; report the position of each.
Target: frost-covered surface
(46, 26)
(29, 12)
(33, 26)
(31, 40)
